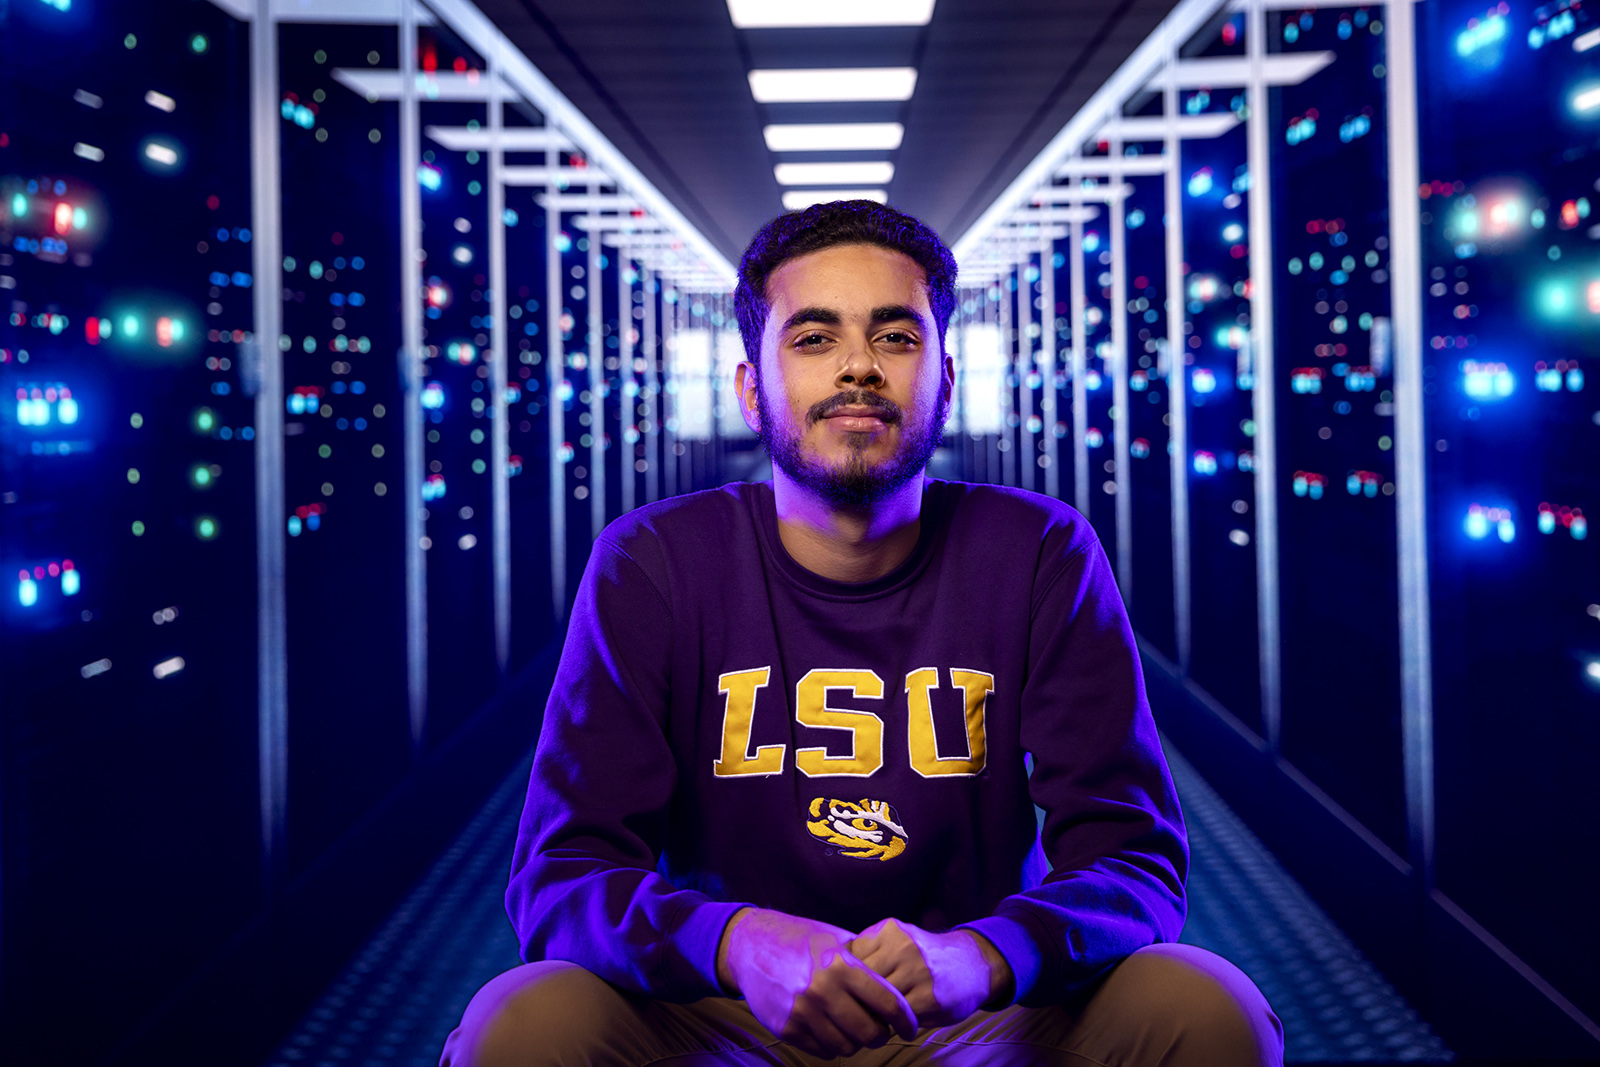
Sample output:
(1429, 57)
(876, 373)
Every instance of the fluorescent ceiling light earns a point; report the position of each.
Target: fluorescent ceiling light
(160, 100)
(796, 199)
(875, 173)
(1587, 100)
(763, 14)
(832, 84)
(834, 136)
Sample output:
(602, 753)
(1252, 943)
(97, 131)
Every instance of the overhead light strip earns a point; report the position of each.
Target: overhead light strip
(832, 84)
(877, 172)
(834, 136)
(799, 199)
(781, 14)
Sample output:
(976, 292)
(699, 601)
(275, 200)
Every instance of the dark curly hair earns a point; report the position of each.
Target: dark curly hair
(841, 222)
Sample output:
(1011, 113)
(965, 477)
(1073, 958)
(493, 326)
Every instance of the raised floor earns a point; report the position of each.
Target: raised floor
(403, 993)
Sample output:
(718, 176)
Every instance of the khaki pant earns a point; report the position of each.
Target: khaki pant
(1170, 1005)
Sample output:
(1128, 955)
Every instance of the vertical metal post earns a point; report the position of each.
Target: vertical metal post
(1080, 368)
(651, 288)
(1177, 362)
(1008, 341)
(1121, 427)
(627, 405)
(411, 370)
(266, 220)
(1047, 361)
(594, 277)
(499, 376)
(955, 346)
(1027, 446)
(991, 450)
(1264, 370)
(1405, 274)
(555, 367)
(669, 408)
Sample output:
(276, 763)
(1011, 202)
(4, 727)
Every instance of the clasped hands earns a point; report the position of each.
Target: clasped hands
(829, 992)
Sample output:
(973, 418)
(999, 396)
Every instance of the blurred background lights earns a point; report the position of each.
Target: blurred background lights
(1480, 35)
(1487, 381)
(161, 153)
(1481, 520)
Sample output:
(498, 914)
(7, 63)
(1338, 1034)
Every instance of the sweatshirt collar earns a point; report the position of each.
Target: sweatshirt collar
(763, 506)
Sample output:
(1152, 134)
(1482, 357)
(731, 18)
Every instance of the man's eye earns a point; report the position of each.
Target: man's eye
(812, 339)
(898, 337)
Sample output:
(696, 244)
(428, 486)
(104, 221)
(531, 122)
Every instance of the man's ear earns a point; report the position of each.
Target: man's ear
(746, 380)
(949, 384)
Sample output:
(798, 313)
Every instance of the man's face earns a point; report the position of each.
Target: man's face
(853, 390)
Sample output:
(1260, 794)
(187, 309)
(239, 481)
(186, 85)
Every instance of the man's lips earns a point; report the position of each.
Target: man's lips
(861, 411)
(846, 421)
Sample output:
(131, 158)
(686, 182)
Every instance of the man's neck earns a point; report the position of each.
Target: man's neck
(848, 546)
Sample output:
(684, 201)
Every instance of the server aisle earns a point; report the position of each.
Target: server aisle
(332, 333)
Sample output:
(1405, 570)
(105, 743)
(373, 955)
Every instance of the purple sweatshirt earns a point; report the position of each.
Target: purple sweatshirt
(728, 728)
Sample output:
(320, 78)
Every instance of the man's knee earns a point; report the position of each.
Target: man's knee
(1194, 1007)
(550, 1013)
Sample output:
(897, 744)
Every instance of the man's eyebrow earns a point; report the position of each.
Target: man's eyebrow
(886, 313)
(897, 313)
(811, 314)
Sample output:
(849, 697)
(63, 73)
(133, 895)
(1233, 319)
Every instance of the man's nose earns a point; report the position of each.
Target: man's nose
(860, 366)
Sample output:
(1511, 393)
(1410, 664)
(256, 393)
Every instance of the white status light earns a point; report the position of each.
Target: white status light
(770, 14)
(799, 199)
(877, 172)
(834, 136)
(168, 666)
(166, 155)
(160, 100)
(1587, 100)
(832, 84)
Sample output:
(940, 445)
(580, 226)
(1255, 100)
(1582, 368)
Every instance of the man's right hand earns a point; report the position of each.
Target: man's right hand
(804, 985)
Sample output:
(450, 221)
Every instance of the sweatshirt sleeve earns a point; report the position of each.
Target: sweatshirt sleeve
(1113, 831)
(584, 885)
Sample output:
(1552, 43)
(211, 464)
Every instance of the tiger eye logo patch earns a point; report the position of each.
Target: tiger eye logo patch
(861, 829)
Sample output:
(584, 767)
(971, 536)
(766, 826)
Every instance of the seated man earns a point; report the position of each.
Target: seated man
(782, 806)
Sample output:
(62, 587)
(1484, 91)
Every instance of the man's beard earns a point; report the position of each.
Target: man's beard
(854, 486)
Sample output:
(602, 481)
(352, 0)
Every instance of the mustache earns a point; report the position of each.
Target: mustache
(882, 407)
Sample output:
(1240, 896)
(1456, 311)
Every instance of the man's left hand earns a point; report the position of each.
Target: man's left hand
(944, 977)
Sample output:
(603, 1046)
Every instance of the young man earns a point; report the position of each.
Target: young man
(782, 806)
